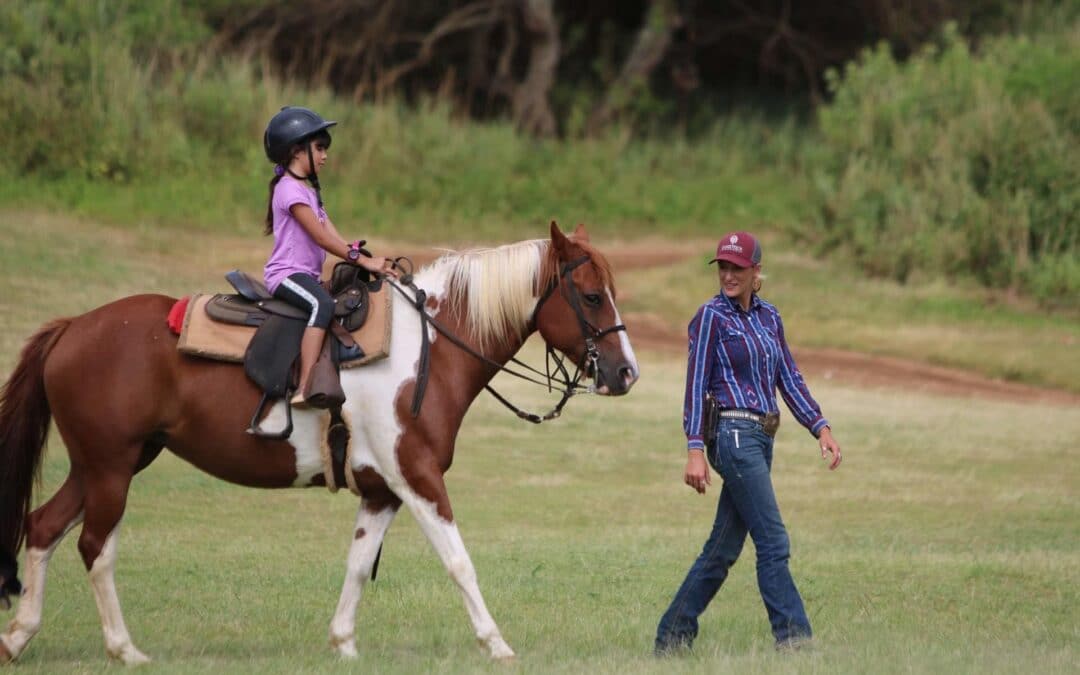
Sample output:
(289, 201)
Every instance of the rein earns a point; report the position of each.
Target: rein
(571, 384)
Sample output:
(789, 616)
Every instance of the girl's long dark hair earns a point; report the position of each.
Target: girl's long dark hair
(279, 171)
(269, 229)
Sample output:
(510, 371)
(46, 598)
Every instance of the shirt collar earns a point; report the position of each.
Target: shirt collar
(755, 302)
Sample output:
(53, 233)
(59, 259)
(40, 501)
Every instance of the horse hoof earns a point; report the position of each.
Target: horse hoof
(130, 656)
(500, 651)
(5, 655)
(346, 649)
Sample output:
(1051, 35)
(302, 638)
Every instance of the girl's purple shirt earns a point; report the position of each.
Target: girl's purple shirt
(294, 249)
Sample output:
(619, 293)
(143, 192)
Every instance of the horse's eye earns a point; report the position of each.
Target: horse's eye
(593, 299)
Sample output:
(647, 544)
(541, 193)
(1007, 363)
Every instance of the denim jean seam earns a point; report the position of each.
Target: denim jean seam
(712, 552)
(734, 465)
(757, 514)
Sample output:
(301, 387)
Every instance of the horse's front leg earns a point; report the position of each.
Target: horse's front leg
(372, 522)
(430, 505)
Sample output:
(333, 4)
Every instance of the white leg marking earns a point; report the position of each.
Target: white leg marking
(118, 642)
(358, 570)
(446, 540)
(27, 621)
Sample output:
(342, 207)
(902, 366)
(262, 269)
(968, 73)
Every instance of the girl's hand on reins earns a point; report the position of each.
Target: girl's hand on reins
(378, 265)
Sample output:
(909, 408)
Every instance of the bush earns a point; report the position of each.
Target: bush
(78, 82)
(957, 163)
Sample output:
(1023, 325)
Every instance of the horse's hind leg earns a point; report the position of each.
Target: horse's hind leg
(106, 497)
(46, 527)
(372, 522)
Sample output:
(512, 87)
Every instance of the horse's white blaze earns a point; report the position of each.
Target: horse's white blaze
(361, 559)
(118, 642)
(27, 619)
(624, 340)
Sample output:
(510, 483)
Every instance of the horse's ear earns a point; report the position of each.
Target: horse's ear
(580, 234)
(558, 239)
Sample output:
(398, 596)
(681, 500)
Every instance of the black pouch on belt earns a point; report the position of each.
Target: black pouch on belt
(710, 415)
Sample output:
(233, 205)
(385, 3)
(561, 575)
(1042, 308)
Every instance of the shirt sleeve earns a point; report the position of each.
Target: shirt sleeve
(699, 365)
(794, 390)
(287, 193)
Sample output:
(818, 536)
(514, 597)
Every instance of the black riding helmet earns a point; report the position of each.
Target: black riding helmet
(290, 127)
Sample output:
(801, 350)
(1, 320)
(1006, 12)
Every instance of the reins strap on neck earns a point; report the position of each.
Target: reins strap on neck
(571, 386)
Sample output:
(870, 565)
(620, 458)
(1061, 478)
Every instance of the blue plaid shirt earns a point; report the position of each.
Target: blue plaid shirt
(742, 358)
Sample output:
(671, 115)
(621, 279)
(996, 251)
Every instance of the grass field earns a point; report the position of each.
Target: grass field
(947, 542)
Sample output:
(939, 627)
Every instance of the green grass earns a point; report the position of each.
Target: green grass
(942, 545)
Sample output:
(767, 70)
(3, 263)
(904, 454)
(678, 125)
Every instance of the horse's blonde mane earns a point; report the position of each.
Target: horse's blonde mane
(496, 288)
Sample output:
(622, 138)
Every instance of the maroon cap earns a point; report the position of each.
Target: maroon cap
(741, 248)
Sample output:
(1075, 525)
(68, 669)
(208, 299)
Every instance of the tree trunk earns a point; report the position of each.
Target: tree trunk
(532, 110)
(650, 47)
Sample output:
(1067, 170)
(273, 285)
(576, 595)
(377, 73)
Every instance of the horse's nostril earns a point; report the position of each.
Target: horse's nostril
(627, 375)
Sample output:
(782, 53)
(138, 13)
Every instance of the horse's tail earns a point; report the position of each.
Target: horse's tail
(24, 426)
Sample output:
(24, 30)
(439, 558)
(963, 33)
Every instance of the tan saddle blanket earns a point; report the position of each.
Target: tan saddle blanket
(202, 336)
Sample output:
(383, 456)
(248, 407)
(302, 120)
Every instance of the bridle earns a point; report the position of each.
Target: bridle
(589, 333)
(588, 363)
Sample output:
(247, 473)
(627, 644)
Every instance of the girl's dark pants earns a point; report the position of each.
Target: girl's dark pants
(302, 291)
(742, 455)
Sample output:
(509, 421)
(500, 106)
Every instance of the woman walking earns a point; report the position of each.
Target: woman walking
(738, 359)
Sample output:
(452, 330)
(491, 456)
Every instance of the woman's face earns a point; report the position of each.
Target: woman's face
(737, 282)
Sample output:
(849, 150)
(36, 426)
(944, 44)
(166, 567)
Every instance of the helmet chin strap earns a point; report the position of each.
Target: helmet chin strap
(312, 177)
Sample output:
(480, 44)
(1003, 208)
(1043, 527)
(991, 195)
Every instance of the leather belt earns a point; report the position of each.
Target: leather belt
(770, 422)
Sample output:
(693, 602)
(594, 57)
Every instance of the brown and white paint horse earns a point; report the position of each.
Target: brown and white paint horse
(120, 392)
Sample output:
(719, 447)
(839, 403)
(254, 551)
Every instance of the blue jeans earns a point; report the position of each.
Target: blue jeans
(742, 455)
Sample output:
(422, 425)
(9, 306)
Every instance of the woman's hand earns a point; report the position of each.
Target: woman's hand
(378, 265)
(697, 471)
(829, 446)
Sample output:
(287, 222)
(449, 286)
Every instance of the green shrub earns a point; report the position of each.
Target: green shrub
(957, 163)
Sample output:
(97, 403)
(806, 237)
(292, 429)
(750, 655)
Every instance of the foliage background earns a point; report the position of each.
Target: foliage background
(944, 152)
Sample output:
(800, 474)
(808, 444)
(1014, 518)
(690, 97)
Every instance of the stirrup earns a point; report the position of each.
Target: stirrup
(255, 429)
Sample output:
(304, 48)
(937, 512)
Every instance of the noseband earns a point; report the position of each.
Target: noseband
(571, 385)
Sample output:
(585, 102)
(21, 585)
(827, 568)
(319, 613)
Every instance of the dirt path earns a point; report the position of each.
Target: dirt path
(850, 368)
(865, 370)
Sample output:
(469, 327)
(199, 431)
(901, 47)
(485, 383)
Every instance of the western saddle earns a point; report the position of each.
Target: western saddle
(271, 359)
